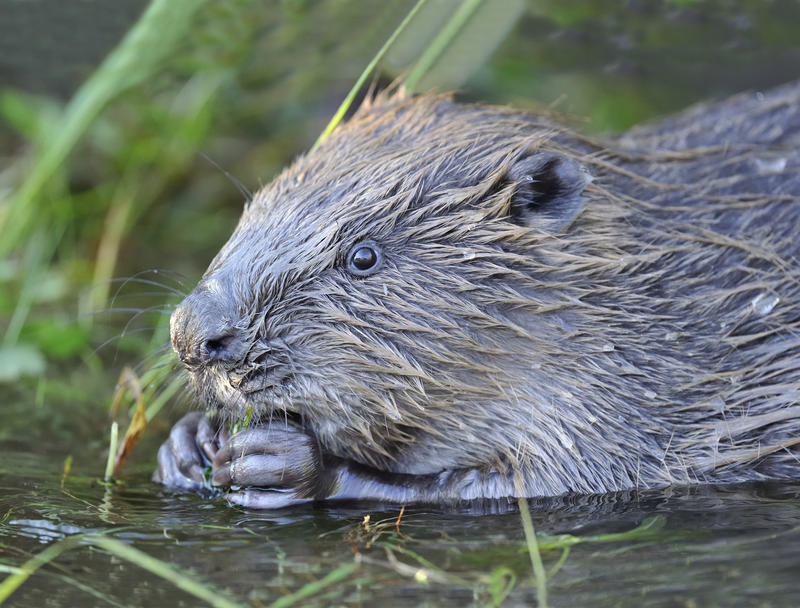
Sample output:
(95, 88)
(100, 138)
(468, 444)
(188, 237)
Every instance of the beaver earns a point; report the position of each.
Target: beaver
(447, 302)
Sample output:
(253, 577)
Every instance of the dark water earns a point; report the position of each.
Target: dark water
(733, 546)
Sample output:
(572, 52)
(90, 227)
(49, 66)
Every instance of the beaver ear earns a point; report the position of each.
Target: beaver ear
(548, 190)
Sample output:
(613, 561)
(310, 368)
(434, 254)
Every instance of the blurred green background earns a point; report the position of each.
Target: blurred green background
(138, 175)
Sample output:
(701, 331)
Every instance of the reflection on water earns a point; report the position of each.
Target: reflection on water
(734, 546)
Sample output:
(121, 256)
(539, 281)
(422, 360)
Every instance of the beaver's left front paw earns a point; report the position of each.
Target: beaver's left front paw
(184, 457)
(269, 467)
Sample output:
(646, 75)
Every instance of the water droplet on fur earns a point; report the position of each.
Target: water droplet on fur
(607, 348)
(718, 404)
(766, 166)
(763, 303)
(671, 336)
(650, 395)
(468, 254)
(392, 411)
(385, 290)
(565, 439)
(536, 366)
(473, 221)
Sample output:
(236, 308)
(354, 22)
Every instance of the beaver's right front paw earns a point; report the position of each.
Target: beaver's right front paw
(185, 458)
(269, 467)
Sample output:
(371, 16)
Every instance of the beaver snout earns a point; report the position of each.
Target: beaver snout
(203, 331)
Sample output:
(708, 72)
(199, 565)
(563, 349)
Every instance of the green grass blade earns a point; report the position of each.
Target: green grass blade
(164, 570)
(315, 587)
(112, 451)
(463, 42)
(451, 29)
(125, 552)
(13, 582)
(533, 551)
(337, 118)
(152, 39)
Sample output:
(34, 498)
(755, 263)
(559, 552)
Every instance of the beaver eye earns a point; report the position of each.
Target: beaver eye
(364, 259)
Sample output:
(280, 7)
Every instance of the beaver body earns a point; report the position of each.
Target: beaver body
(446, 302)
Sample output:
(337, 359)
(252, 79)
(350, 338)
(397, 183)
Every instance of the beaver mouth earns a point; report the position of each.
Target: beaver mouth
(261, 379)
(261, 390)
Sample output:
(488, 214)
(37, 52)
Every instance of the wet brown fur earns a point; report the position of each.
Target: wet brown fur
(653, 340)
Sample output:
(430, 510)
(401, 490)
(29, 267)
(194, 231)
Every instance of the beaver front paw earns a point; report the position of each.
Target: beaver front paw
(186, 456)
(268, 467)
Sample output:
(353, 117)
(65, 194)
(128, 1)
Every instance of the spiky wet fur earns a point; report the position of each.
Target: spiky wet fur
(653, 341)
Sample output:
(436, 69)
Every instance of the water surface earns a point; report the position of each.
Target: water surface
(731, 546)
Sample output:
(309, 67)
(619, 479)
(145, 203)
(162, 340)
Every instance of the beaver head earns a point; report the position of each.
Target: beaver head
(442, 286)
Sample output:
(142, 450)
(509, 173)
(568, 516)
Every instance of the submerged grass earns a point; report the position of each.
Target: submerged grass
(168, 572)
(532, 545)
(496, 585)
(500, 581)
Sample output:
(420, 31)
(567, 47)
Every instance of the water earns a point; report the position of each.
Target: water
(732, 546)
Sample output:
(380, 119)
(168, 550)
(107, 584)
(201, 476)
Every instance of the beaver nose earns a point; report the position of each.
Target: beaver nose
(202, 330)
